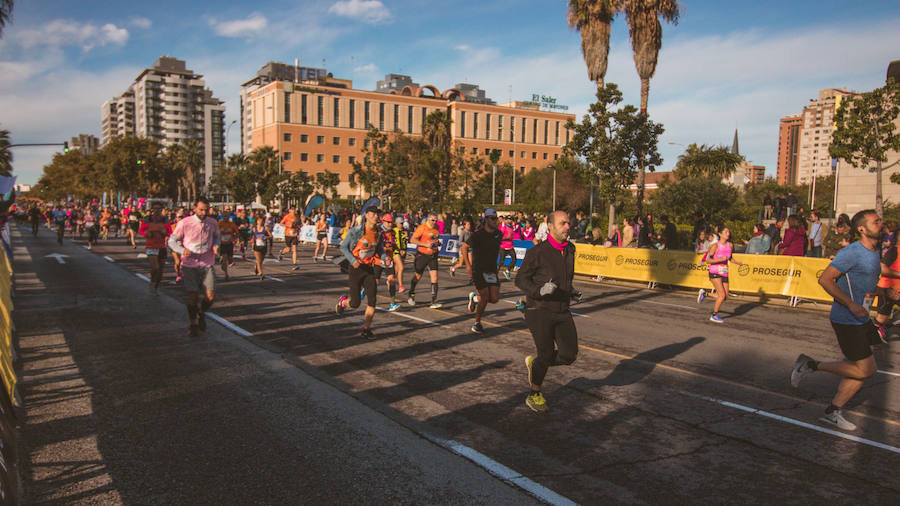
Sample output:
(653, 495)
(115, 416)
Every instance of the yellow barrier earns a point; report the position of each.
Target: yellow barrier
(763, 274)
(7, 372)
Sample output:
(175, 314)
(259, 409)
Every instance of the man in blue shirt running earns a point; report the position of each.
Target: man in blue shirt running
(851, 279)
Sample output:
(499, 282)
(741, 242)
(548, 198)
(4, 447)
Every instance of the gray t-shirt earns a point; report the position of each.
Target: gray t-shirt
(860, 267)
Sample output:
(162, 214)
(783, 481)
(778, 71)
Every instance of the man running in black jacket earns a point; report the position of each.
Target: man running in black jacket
(546, 278)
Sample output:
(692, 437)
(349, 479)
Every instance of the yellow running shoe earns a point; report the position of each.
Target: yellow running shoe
(536, 402)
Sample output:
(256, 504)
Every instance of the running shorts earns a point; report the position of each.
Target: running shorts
(719, 276)
(290, 240)
(483, 280)
(363, 277)
(425, 261)
(856, 340)
(886, 305)
(320, 236)
(261, 249)
(134, 226)
(197, 279)
(226, 249)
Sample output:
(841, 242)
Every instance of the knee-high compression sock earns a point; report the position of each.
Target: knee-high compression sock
(434, 290)
(205, 304)
(192, 312)
(392, 288)
(412, 285)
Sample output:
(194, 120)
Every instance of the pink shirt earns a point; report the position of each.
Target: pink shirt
(199, 237)
(507, 232)
(723, 250)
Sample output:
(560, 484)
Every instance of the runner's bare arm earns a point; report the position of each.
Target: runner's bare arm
(828, 281)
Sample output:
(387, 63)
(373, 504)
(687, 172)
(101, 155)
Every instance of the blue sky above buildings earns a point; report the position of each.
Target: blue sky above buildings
(726, 65)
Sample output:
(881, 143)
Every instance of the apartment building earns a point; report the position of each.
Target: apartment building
(170, 103)
(321, 125)
(788, 149)
(813, 159)
(86, 143)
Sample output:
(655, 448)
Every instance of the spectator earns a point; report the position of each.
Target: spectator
(767, 207)
(837, 238)
(597, 238)
(774, 233)
(628, 233)
(794, 238)
(528, 231)
(542, 231)
(760, 243)
(890, 234)
(791, 202)
(645, 239)
(815, 236)
(669, 235)
(779, 207)
(615, 238)
(703, 242)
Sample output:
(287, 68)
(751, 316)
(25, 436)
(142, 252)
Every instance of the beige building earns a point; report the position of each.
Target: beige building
(813, 159)
(170, 103)
(86, 143)
(856, 187)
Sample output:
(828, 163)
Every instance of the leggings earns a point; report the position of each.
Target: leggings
(512, 254)
(554, 337)
(363, 277)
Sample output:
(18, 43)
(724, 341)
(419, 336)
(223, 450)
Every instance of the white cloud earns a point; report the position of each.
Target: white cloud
(462, 47)
(369, 11)
(141, 22)
(368, 68)
(62, 32)
(252, 25)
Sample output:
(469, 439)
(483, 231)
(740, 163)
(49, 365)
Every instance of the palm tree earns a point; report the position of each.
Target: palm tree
(191, 158)
(6, 7)
(593, 19)
(6, 156)
(646, 39)
(707, 161)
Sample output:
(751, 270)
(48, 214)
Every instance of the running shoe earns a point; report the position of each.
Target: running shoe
(401, 289)
(280, 257)
(393, 307)
(837, 419)
(520, 305)
(411, 300)
(506, 274)
(201, 321)
(801, 369)
(700, 296)
(537, 403)
(178, 279)
(882, 332)
(436, 305)
(367, 333)
(339, 307)
(716, 318)
(315, 259)
(295, 267)
(472, 302)
(478, 328)
(529, 363)
(362, 293)
(452, 271)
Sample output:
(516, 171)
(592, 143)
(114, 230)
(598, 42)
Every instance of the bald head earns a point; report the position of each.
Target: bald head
(558, 225)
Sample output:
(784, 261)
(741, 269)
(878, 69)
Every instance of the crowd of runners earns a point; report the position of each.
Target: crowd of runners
(374, 247)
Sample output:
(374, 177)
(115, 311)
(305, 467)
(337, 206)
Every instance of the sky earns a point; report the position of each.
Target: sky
(724, 66)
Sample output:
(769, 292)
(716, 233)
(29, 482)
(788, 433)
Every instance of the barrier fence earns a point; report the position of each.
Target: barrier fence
(10, 492)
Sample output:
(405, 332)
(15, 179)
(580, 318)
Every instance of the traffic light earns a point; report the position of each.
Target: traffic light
(65, 146)
(140, 161)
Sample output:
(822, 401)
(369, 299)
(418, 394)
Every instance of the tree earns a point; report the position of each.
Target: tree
(190, 157)
(6, 156)
(262, 163)
(614, 144)
(682, 200)
(645, 31)
(707, 161)
(593, 19)
(866, 130)
(237, 179)
(6, 7)
(327, 182)
(297, 188)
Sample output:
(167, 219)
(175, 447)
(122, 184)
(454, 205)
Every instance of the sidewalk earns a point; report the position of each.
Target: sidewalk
(121, 406)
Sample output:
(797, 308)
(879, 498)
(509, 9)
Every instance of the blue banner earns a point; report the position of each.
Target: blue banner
(521, 248)
(450, 248)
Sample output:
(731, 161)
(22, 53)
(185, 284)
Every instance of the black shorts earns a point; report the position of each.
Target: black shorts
(856, 341)
(481, 283)
(226, 249)
(379, 270)
(719, 276)
(321, 236)
(425, 261)
(261, 249)
(885, 305)
(290, 240)
(363, 277)
(134, 226)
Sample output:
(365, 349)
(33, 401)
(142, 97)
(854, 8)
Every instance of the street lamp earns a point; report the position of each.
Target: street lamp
(554, 184)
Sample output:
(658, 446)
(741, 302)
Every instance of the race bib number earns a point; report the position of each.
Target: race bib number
(152, 252)
(490, 277)
(260, 242)
(723, 270)
(387, 263)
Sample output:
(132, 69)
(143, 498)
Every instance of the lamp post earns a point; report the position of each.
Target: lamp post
(554, 185)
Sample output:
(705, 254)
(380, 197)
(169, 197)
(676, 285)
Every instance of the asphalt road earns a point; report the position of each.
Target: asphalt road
(661, 405)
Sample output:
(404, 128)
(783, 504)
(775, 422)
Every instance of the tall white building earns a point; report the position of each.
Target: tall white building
(817, 128)
(170, 103)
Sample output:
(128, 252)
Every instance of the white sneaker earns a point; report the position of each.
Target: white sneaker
(801, 370)
(436, 305)
(700, 296)
(837, 419)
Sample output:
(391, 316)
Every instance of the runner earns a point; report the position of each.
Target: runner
(484, 244)
(546, 278)
(228, 231)
(291, 235)
(196, 239)
(134, 224)
(243, 236)
(389, 244)
(34, 216)
(105, 218)
(850, 278)
(260, 235)
(464, 233)
(92, 227)
(321, 237)
(59, 220)
(506, 246)
(156, 229)
(402, 240)
(176, 257)
(362, 249)
(718, 257)
(427, 238)
(887, 288)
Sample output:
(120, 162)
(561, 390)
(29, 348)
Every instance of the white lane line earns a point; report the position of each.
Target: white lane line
(273, 278)
(573, 312)
(411, 317)
(108, 259)
(145, 278)
(85, 247)
(890, 373)
(798, 423)
(500, 471)
(229, 325)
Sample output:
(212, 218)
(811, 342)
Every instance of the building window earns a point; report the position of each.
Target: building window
(352, 160)
(304, 138)
(523, 132)
(320, 158)
(522, 154)
(409, 121)
(396, 117)
(475, 125)
(545, 156)
(287, 155)
(321, 111)
(366, 142)
(557, 134)
(351, 141)
(462, 123)
(320, 139)
(350, 177)
(487, 151)
(546, 130)
(511, 153)
(556, 156)
(534, 155)
(367, 114)
(336, 158)
(500, 127)
(336, 141)
(381, 116)
(422, 126)
(287, 107)
(304, 157)
(337, 113)
(534, 131)
(352, 113)
(474, 151)
(287, 137)
(487, 126)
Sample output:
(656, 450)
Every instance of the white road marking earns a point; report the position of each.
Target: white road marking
(85, 247)
(500, 471)
(798, 423)
(145, 278)
(58, 256)
(411, 317)
(889, 373)
(573, 312)
(142, 255)
(109, 259)
(273, 278)
(229, 325)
